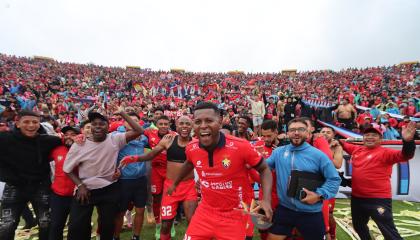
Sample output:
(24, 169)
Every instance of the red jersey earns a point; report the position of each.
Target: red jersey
(62, 184)
(223, 173)
(372, 169)
(154, 139)
(266, 154)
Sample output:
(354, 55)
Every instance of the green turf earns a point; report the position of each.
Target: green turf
(404, 215)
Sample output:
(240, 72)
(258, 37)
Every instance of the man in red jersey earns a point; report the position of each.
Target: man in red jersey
(371, 180)
(269, 142)
(62, 186)
(221, 164)
(158, 165)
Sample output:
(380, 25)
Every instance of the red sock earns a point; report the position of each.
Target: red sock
(333, 227)
(264, 236)
(165, 236)
(156, 212)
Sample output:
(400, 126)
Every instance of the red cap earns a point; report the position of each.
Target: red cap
(375, 129)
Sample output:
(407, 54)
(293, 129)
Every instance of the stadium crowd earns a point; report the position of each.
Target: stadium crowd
(101, 120)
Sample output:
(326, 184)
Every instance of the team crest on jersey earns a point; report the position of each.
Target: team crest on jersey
(59, 158)
(226, 163)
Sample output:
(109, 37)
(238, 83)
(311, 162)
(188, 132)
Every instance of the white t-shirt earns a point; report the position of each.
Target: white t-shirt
(95, 161)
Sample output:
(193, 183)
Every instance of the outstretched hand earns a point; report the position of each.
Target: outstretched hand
(166, 141)
(408, 132)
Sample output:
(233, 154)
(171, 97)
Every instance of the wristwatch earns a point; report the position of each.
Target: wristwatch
(79, 185)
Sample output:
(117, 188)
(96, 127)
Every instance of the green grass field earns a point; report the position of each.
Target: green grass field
(406, 215)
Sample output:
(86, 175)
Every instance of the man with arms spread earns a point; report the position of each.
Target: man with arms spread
(346, 114)
(371, 180)
(221, 163)
(25, 168)
(186, 192)
(96, 163)
(304, 213)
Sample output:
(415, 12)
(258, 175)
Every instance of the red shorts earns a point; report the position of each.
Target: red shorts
(185, 191)
(207, 223)
(158, 178)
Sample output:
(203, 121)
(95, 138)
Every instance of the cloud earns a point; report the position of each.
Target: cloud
(214, 35)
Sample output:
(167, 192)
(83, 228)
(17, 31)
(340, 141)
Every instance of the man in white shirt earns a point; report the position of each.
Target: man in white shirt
(91, 166)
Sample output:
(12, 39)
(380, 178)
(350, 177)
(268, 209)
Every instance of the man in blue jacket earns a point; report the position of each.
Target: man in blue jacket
(304, 213)
(133, 182)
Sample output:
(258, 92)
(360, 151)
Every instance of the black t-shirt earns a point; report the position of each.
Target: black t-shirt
(24, 159)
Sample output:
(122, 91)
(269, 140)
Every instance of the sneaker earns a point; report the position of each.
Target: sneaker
(173, 231)
(29, 225)
(157, 233)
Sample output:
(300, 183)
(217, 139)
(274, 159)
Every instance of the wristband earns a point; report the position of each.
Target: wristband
(79, 185)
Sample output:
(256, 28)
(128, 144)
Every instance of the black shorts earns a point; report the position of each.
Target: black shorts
(133, 190)
(310, 225)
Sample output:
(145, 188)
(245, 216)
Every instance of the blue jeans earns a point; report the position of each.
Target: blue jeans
(60, 209)
(15, 199)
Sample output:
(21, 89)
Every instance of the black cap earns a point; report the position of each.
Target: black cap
(67, 128)
(94, 115)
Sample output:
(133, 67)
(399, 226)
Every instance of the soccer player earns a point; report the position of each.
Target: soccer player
(186, 192)
(221, 163)
(159, 164)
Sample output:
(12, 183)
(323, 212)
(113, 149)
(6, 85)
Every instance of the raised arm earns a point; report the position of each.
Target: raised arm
(137, 129)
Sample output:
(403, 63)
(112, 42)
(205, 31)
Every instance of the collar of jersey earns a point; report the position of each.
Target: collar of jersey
(220, 144)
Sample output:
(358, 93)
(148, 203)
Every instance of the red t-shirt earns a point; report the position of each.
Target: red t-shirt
(154, 139)
(62, 184)
(274, 196)
(223, 173)
(372, 169)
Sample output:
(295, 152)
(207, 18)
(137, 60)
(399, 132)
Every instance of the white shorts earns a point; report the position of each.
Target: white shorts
(257, 121)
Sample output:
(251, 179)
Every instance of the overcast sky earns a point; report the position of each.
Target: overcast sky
(216, 35)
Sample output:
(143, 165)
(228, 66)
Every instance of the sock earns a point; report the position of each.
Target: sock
(135, 237)
(263, 236)
(156, 212)
(165, 236)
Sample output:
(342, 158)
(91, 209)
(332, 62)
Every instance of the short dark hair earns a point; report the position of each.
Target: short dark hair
(248, 119)
(83, 124)
(297, 120)
(207, 105)
(25, 112)
(227, 127)
(158, 109)
(269, 125)
(332, 129)
(163, 117)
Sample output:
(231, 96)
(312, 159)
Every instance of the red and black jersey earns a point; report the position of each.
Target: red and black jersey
(154, 139)
(223, 172)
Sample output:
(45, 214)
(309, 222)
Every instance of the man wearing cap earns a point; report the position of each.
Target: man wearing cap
(371, 180)
(62, 186)
(96, 184)
(25, 167)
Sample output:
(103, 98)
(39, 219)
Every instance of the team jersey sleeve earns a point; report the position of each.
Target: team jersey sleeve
(252, 157)
(392, 156)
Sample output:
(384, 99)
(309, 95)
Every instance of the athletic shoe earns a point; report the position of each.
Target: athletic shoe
(173, 231)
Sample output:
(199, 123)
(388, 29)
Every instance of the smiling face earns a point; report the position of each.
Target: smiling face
(297, 132)
(269, 136)
(29, 125)
(68, 138)
(163, 126)
(99, 129)
(242, 125)
(207, 124)
(372, 139)
(184, 126)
